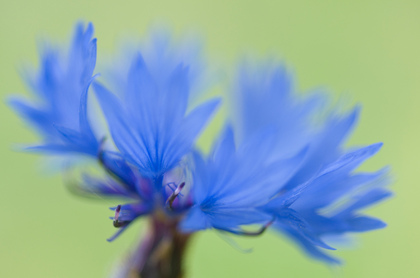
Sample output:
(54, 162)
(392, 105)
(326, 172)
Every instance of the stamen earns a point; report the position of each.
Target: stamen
(117, 223)
(173, 196)
(173, 187)
(117, 212)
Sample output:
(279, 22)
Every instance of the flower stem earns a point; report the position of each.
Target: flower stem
(161, 252)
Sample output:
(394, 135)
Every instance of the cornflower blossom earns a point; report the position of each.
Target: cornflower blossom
(273, 166)
(324, 196)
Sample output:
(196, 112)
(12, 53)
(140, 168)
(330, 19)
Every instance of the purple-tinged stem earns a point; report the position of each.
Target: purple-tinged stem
(160, 253)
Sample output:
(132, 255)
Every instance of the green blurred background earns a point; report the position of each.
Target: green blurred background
(366, 50)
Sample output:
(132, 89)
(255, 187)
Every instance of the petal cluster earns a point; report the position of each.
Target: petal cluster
(59, 112)
(149, 123)
(279, 163)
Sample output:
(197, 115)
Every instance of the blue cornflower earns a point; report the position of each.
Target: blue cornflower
(60, 112)
(279, 162)
(152, 130)
(305, 207)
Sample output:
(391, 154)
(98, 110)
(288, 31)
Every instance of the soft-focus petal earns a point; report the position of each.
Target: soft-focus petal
(61, 85)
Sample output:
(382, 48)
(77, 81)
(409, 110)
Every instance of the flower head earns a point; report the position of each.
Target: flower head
(310, 195)
(152, 131)
(306, 209)
(277, 164)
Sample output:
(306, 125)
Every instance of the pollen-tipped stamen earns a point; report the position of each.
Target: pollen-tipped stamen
(117, 223)
(173, 196)
(173, 187)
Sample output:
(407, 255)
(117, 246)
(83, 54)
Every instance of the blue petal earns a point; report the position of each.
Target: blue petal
(188, 131)
(368, 199)
(84, 124)
(122, 134)
(141, 95)
(270, 181)
(69, 135)
(222, 219)
(349, 161)
(307, 246)
(36, 117)
(118, 166)
(201, 177)
(107, 187)
(225, 148)
(326, 147)
(322, 194)
(177, 89)
(195, 220)
(364, 224)
(52, 149)
(292, 220)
